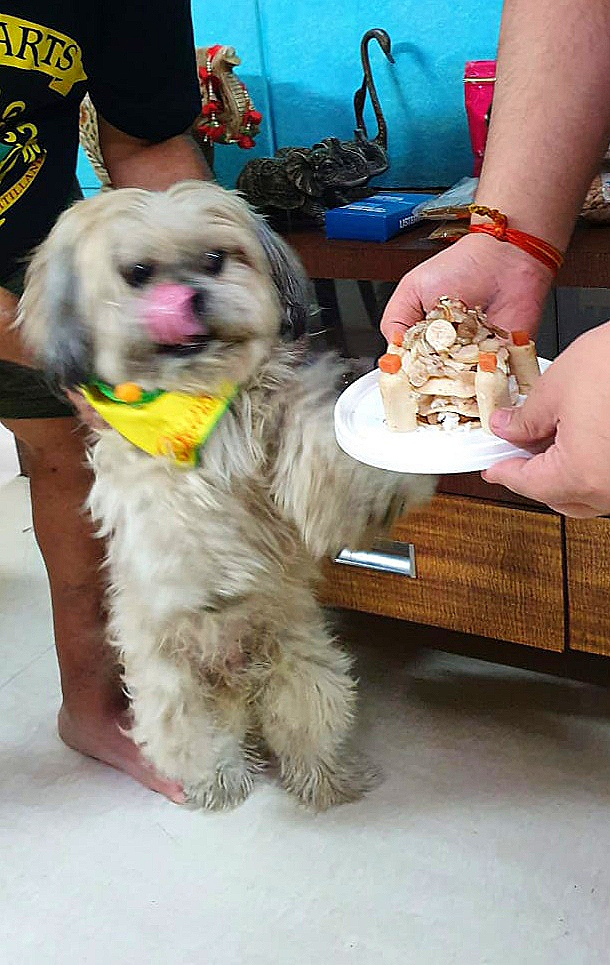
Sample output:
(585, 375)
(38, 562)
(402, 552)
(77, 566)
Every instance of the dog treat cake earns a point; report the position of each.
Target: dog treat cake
(453, 369)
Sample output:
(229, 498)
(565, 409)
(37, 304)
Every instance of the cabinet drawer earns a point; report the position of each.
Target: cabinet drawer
(480, 568)
(588, 568)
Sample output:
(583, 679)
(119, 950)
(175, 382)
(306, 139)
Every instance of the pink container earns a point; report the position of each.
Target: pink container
(479, 79)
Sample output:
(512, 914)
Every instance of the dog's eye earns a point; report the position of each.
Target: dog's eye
(213, 262)
(137, 276)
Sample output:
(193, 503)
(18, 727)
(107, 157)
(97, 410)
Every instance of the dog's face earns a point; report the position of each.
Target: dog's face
(169, 290)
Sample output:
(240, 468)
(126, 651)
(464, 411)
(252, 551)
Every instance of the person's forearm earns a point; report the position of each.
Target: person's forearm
(133, 163)
(550, 122)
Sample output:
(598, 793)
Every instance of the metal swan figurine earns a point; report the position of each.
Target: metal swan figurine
(376, 150)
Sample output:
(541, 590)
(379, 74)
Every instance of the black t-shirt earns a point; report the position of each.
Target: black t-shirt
(137, 60)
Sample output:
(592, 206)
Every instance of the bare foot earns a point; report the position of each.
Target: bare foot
(103, 740)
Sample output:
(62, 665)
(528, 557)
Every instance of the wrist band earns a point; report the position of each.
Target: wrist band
(543, 251)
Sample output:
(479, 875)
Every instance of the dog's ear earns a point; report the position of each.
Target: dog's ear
(50, 319)
(67, 353)
(289, 279)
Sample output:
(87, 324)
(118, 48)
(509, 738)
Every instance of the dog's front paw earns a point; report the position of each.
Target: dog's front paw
(229, 786)
(324, 784)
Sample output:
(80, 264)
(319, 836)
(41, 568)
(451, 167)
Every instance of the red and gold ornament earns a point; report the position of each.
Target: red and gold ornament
(212, 128)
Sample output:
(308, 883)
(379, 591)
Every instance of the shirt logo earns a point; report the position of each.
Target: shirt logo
(21, 156)
(29, 46)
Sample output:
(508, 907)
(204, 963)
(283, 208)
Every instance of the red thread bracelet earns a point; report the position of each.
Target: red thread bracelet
(546, 253)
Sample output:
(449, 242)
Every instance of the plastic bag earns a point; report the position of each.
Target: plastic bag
(449, 231)
(452, 204)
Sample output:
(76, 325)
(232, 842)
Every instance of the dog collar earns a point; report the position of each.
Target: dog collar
(170, 424)
(128, 393)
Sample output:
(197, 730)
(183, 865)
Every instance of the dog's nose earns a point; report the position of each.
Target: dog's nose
(171, 313)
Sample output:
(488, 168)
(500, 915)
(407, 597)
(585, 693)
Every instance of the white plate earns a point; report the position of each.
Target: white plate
(362, 433)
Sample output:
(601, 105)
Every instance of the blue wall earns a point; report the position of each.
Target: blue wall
(300, 61)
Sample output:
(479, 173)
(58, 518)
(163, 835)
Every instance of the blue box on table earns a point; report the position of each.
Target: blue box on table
(376, 218)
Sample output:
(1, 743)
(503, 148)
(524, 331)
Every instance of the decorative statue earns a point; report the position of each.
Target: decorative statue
(307, 181)
(227, 112)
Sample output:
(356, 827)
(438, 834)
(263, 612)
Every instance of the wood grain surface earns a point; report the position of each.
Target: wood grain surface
(588, 577)
(481, 569)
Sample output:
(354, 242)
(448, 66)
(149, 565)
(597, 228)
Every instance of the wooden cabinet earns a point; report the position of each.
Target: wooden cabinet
(588, 584)
(481, 568)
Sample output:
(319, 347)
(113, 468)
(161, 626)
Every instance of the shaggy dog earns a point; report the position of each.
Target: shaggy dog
(226, 655)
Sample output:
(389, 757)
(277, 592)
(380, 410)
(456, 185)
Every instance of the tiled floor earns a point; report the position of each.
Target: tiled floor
(488, 842)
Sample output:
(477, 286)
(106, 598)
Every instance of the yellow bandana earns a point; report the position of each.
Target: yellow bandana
(170, 424)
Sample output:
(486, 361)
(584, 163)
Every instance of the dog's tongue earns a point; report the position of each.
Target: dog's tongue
(168, 316)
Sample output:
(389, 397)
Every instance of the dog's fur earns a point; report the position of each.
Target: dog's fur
(225, 651)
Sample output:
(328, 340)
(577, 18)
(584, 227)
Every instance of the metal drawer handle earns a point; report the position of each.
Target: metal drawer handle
(386, 556)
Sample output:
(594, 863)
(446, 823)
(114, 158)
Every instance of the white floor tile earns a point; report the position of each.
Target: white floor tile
(25, 608)
(488, 842)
